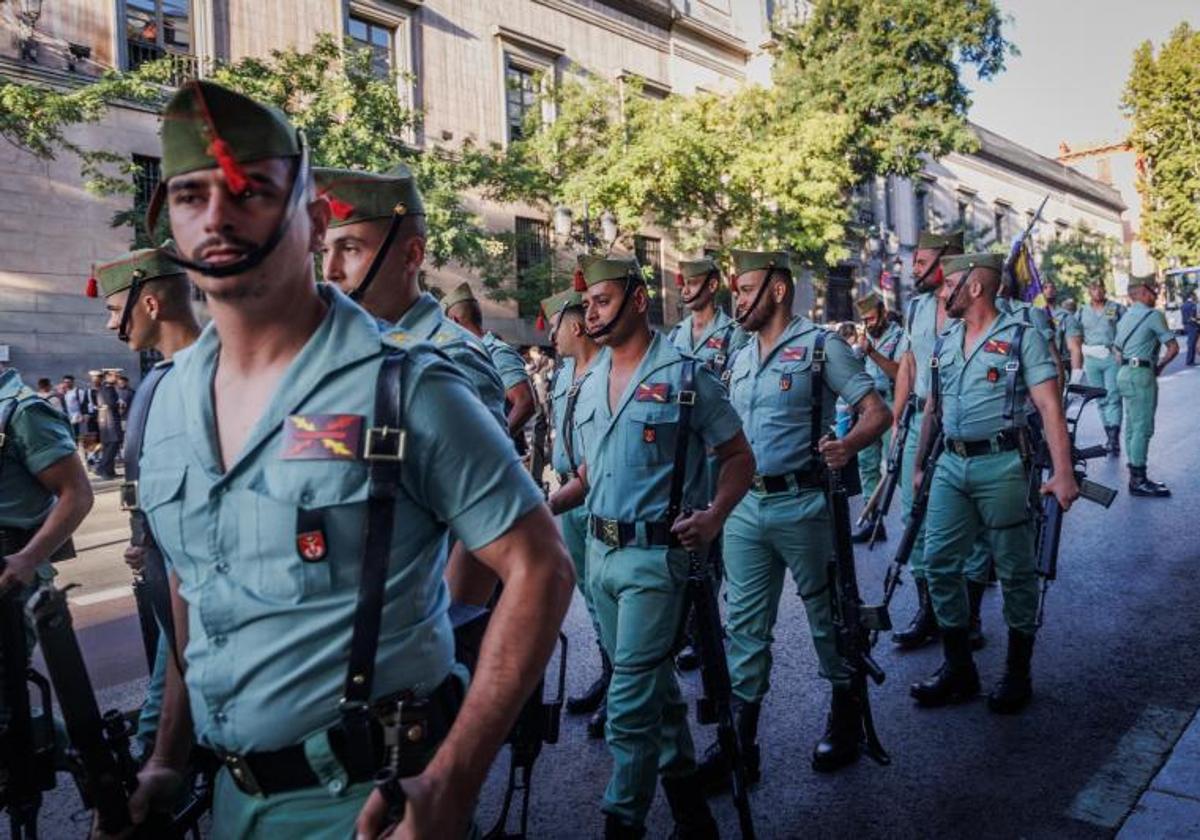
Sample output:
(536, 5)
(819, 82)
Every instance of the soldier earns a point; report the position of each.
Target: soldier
(782, 525)
(304, 516)
(924, 319)
(149, 305)
(1140, 334)
(638, 394)
(1097, 324)
(881, 344)
(987, 364)
(576, 353)
(1191, 326)
(462, 308)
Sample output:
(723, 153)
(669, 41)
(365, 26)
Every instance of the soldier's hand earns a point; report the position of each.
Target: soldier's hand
(135, 557)
(835, 452)
(1063, 487)
(697, 530)
(430, 811)
(18, 571)
(158, 785)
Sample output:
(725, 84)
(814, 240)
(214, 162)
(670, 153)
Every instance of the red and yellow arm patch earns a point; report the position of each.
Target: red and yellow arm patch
(658, 392)
(322, 437)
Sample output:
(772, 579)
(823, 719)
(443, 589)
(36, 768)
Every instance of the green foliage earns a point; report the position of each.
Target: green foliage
(1162, 98)
(1073, 261)
(893, 71)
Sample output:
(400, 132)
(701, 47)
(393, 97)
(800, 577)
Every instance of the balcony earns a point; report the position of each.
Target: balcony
(184, 66)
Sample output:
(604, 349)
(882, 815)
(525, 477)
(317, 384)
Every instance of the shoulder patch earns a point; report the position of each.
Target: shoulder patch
(995, 345)
(793, 354)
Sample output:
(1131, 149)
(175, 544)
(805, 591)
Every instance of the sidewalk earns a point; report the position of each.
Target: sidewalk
(1170, 806)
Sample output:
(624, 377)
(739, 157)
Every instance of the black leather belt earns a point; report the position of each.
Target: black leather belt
(1136, 363)
(798, 480)
(421, 727)
(1003, 442)
(616, 534)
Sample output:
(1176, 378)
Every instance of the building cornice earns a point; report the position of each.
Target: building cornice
(717, 37)
(25, 72)
(708, 61)
(617, 27)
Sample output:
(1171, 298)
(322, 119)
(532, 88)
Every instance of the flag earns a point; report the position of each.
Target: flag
(1021, 270)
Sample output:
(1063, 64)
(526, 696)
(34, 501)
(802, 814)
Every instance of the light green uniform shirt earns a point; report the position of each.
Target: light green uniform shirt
(716, 345)
(1141, 332)
(425, 321)
(974, 383)
(38, 436)
(560, 388)
(1035, 316)
(1065, 325)
(507, 361)
(892, 345)
(920, 328)
(630, 449)
(1099, 328)
(773, 395)
(269, 632)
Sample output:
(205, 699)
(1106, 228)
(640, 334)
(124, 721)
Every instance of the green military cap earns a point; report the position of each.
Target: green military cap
(695, 268)
(744, 261)
(952, 242)
(561, 302)
(593, 270)
(868, 303)
(361, 196)
(461, 293)
(1148, 281)
(963, 262)
(139, 266)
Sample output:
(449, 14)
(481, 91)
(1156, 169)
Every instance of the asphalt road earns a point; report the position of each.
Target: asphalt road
(1116, 676)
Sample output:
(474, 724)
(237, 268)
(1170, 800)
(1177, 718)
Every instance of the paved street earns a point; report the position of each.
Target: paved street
(1116, 674)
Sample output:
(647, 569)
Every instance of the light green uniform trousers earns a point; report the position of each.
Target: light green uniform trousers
(638, 595)
(976, 565)
(573, 525)
(985, 495)
(766, 536)
(1139, 390)
(871, 461)
(1102, 373)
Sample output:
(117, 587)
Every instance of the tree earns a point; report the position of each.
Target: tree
(350, 116)
(893, 71)
(1077, 259)
(1162, 98)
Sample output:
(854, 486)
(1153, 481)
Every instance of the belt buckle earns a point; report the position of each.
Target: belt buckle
(759, 484)
(377, 447)
(129, 496)
(610, 533)
(687, 398)
(958, 448)
(1012, 366)
(242, 776)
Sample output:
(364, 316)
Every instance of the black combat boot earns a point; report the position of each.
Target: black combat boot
(839, 745)
(616, 829)
(593, 698)
(956, 681)
(1015, 689)
(1114, 440)
(713, 775)
(1140, 485)
(689, 808)
(595, 724)
(923, 628)
(975, 592)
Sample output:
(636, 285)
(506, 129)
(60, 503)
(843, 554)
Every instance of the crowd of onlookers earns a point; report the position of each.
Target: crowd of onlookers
(97, 413)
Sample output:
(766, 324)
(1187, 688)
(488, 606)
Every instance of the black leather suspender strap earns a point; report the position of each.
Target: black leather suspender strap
(817, 430)
(7, 410)
(385, 455)
(686, 399)
(1012, 370)
(935, 379)
(568, 423)
(721, 360)
(1129, 334)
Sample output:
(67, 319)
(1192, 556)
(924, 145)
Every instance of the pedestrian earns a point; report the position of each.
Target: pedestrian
(279, 452)
(149, 303)
(987, 364)
(784, 386)
(47, 392)
(881, 344)
(576, 353)
(1141, 333)
(1098, 325)
(1191, 325)
(125, 394)
(75, 400)
(631, 418)
(108, 425)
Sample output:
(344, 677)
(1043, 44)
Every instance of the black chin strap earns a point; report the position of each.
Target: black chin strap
(741, 319)
(261, 252)
(688, 301)
(380, 256)
(954, 295)
(604, 330)
(937, 261)
(135, 291)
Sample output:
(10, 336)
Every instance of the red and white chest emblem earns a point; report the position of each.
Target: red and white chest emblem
(657, 392)
(311, 545)
(793, 354)
(995, 345)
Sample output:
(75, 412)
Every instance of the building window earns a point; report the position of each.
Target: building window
(1000, 223)
(648, 251)
(520, 97)
(922, 210)
(146, 175)
(964, 211)
(532, 246)
(379, 39)
(157, 29)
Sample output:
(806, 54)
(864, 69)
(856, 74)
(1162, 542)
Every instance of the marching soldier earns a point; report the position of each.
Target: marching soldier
(576, 352)
(149, 305)
(462, 308)
(782, 525)
(881, 344)
(983, 368)
(1097, 325)
(631, 418)
(924, 320)
(1141, 333)
(304, 517)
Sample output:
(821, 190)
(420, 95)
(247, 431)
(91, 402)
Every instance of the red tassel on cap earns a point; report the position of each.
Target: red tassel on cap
(679, 279)
(341, 210)
(733, 282)
(540, 323)
(578, 281)
(235, 176)
(93, 287)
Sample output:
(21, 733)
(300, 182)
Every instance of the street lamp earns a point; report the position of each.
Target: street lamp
(28, 12)
(608, 227)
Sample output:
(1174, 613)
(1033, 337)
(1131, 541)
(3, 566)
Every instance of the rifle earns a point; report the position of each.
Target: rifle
(852, 623)
(26, 743)
(716, 705)
(99, 757)
(1049, 512)
(892, 475)
(537, 459)
(147, 623)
